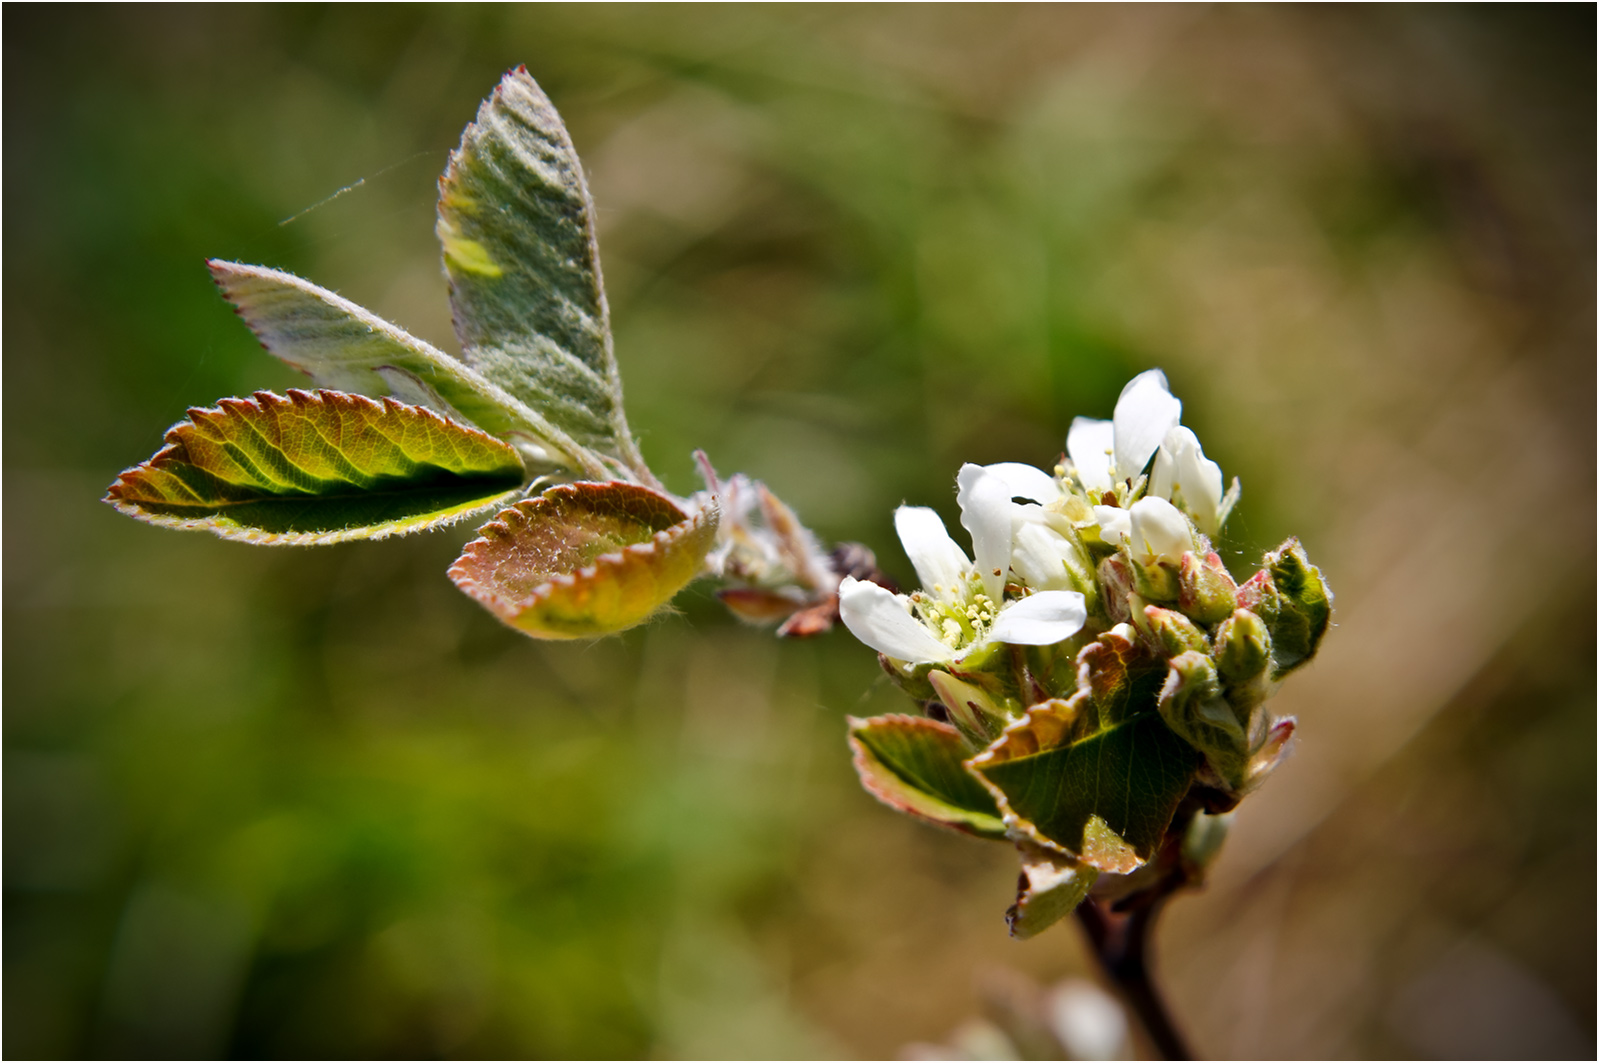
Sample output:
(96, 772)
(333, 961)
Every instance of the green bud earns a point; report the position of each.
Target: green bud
(1205, 591)
(1173, 632)
(1192, 705)
(1156, 581)
(1259, 595)
(1243, 647)
(971, 709)
(1304, 607)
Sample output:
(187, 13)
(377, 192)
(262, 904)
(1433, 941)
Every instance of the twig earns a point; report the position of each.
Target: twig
(1120, 942)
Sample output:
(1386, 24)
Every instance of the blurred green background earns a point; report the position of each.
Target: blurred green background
(283, 802)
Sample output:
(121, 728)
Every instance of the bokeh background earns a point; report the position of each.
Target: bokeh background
(284, 802)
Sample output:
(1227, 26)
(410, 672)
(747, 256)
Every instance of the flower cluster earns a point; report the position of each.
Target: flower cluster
(1092, 676)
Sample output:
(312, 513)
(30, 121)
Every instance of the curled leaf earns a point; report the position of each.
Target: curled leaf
(317, 467)
(1049, 887)
(584, 559)
(913, 764)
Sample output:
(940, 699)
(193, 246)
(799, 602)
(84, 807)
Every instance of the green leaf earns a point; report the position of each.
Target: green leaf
(1106, 798)
(1049, 888)
(914, 764)
(345, 347)
(1304, 607)
(585, 559)
(517, 228)
(317, 467)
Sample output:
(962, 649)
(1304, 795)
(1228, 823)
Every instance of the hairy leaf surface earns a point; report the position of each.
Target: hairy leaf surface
(914, 764)
(517, 228)
(584, 559)
(317, 467)
(343, 346)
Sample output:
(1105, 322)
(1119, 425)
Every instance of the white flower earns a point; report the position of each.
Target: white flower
(956, 614)
(987, 511)
(1107, 452)
(1181, 461)
(1155, 530)
(1145, 424)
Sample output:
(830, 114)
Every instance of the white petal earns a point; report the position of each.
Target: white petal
(1159, 531)
(882, 620)
(1038, 554)
(1164, 474)
(985, 503)
(1200, 479)
(1089, 445)
(1025, 481)
(1041, 619)
(1115, 524)
(1144, 414)
(938, 561)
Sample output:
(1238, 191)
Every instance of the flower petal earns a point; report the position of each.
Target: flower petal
(881, 619)
(1115, 524)
(1199, 478)
(1025, 481)
(1038, 556)
(1089, 445)
(1041, 619)
(985, 503)
(1159, 531)
(1146, 411)
(939, 563)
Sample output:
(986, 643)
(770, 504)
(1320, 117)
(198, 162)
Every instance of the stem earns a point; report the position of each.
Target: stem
(1120, 941)
(1119, 931)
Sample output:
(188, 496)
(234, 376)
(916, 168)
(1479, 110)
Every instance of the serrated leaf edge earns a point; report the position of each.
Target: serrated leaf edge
(508, 609)
(256, 536)
(860, 755)
(580, 459)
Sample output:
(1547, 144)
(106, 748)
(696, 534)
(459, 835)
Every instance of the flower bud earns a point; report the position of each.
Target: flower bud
(1173, 632)
(1243, 647)
(1192, 705)
(971, 709)
(1259, 596)
(1204, 589)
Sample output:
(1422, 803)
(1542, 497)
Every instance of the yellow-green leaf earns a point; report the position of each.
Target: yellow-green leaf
(317, 467)
(585, 559)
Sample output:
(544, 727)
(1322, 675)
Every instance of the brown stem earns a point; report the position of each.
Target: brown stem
(1120, 942)
(1119, 931)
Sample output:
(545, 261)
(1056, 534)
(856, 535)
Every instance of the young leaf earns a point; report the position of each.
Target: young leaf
(1049, 887)
(584, 559)
(913, 764)
(517, 228)
(345, 347)
(317, 467)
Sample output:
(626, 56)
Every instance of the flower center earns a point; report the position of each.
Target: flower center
(957, 616)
